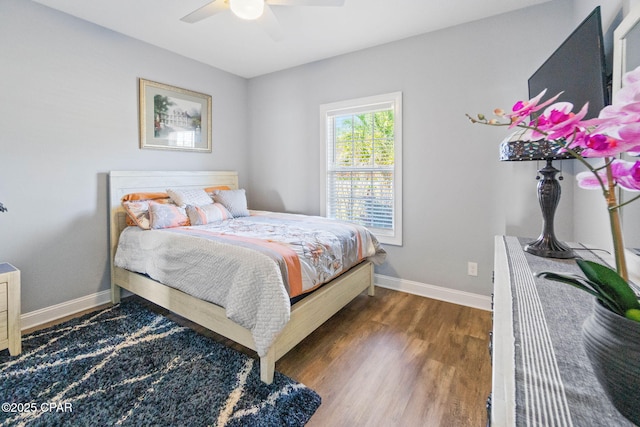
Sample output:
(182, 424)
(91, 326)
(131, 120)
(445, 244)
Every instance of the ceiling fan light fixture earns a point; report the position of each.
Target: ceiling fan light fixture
(247, 9)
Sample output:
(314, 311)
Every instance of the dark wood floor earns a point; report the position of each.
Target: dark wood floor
(397, 360)
(393, 360)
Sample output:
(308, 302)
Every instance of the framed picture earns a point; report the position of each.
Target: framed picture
(172, 118)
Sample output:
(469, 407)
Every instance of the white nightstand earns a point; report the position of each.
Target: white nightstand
(10, 336)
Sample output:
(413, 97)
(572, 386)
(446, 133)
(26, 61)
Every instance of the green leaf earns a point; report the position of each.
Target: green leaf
(570, 279)
(611, 284)
(585, 285)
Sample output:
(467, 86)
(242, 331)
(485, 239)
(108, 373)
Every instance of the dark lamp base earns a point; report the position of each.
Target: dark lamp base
(549, 247)
(548, 195)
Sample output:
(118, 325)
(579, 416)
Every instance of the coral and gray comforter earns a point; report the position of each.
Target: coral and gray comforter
(252, 265)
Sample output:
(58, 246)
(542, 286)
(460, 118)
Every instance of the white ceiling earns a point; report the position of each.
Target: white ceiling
(310, 33)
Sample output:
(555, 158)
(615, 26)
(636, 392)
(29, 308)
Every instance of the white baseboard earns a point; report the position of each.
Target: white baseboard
(468, 299)
(55, 312)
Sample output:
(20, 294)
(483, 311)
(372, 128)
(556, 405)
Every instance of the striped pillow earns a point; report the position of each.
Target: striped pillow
(201, 215)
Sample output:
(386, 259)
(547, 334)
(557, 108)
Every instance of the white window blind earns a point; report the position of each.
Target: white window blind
(362, 157)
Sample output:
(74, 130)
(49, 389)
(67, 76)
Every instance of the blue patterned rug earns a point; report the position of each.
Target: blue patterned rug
(126, 365)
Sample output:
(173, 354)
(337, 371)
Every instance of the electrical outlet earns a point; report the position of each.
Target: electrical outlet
(472, 268)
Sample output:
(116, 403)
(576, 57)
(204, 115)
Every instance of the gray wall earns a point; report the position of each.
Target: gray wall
(68, 116)
(457, 195)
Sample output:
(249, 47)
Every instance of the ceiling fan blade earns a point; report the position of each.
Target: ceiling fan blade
(270, 24)
(205, 11)
(306, 2)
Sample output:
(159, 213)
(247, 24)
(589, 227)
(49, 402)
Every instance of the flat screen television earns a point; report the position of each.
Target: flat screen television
(578, 68)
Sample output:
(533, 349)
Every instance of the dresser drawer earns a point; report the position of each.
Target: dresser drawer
(10, 334)
(3, 296)
(4, 326)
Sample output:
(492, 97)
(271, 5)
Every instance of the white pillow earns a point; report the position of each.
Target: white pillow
(234, 200)
(195, 197)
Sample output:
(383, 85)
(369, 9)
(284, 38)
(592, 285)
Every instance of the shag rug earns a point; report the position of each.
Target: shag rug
(126, 365)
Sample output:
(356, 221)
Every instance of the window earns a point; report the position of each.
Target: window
(362, 173)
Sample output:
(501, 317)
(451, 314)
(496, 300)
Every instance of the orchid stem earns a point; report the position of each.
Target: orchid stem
(616, 227)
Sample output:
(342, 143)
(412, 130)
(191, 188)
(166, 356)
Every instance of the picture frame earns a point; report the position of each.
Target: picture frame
(172, 118)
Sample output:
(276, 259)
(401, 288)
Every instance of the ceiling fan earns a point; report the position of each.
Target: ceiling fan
(259, 10)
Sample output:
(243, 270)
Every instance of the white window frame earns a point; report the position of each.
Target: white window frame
(390, 237)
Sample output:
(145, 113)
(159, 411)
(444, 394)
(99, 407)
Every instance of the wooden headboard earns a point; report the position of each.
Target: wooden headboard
(125, 182)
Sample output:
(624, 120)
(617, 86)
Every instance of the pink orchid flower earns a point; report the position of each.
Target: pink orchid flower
(522, 109)
(631, 181)
(592, 145)
(612, 117)
(623, 136)
(625, 108)
(558, 121)
(630, 90)
(630, 134)
(631, 77)
(625, 174)
(599, 145)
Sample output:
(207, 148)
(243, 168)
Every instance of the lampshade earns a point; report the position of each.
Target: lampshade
(519, 146)
(247, 9)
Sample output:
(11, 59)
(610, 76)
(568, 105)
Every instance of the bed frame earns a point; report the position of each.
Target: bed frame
(306, 315)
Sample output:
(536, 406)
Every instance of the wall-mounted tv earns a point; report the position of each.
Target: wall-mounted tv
(578, 68)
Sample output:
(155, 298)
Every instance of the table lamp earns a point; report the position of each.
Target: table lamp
(519, 147)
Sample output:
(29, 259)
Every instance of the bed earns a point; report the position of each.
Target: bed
(303, 316)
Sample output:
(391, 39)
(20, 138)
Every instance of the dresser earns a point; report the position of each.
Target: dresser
(10, 335)
(541, 373)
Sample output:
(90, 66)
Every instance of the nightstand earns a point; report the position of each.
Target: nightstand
(10, 335)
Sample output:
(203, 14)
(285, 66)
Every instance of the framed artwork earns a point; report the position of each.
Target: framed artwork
(172, 118)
